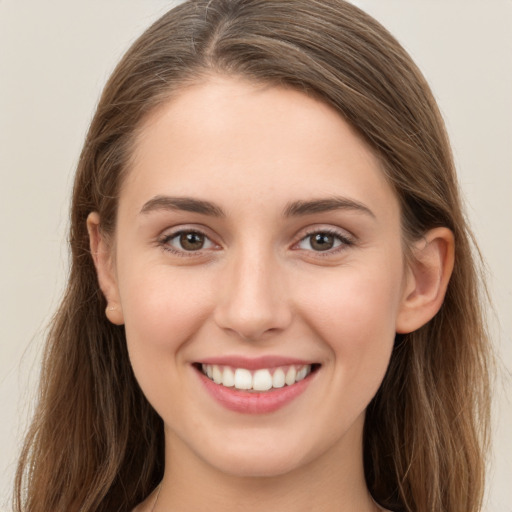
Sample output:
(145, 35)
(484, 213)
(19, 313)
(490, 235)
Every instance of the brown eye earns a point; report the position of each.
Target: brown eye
(192, 241)
(322, 241)
(187, 241)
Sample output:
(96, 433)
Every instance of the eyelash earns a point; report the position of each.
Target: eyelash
(163, 242)
(344, 240)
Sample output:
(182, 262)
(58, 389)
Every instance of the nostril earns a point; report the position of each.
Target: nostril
(252, 323)
(253, 302)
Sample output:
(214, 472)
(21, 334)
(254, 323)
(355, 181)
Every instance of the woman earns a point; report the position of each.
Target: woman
(272, 298)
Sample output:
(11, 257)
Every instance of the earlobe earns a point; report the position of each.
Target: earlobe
(429, 272)
(102, 256)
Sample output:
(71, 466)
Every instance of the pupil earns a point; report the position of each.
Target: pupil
(322, 242)
(191, 241)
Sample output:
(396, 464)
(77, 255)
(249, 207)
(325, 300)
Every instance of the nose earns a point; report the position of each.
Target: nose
(253, 302)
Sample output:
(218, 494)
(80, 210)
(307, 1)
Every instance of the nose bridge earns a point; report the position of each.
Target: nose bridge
(254, 298)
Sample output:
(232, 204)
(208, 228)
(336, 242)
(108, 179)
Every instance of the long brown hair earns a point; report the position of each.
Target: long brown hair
(95, 443)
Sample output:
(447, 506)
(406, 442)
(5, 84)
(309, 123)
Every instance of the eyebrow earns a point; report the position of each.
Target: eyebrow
(188, 204)
(299, 208)
(294, 209)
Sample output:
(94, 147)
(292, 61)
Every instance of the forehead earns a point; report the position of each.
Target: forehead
(224, 138)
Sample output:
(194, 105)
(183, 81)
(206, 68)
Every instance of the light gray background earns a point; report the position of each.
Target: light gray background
(55, 57)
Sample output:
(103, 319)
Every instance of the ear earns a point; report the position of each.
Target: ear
(101, 252)
(427, 279)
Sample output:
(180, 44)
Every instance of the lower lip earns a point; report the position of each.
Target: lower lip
(254, 402)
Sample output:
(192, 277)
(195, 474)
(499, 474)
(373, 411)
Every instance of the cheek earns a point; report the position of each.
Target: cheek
(355, 300)
(355, 313)
(162, 302)
(361, 333)
(162, 311)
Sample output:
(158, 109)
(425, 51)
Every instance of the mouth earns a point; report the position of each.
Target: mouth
(259, 380)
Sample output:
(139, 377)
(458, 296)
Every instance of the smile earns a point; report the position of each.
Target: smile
(257, 386)
(263, 379)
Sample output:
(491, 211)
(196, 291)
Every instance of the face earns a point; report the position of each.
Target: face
(257, 242)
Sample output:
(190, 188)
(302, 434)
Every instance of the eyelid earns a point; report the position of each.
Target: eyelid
(171, 233)
(347, 238)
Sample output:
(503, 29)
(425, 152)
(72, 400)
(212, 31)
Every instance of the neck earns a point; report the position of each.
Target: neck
(333, 482)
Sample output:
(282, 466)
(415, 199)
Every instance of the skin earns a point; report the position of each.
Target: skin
(259, 287)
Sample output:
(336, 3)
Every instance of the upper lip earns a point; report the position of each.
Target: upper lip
(254, 363)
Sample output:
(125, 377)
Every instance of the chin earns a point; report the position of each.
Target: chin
(258, 467)
(263, 459)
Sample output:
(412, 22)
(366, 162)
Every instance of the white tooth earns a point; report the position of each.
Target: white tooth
(302, 373)
(228, 377)
(290, 375)
(278, 379)
(209, 370)
(217, 374)
(243, 379)
(262, 380)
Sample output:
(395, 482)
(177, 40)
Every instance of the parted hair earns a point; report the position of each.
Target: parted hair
(95, 443)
